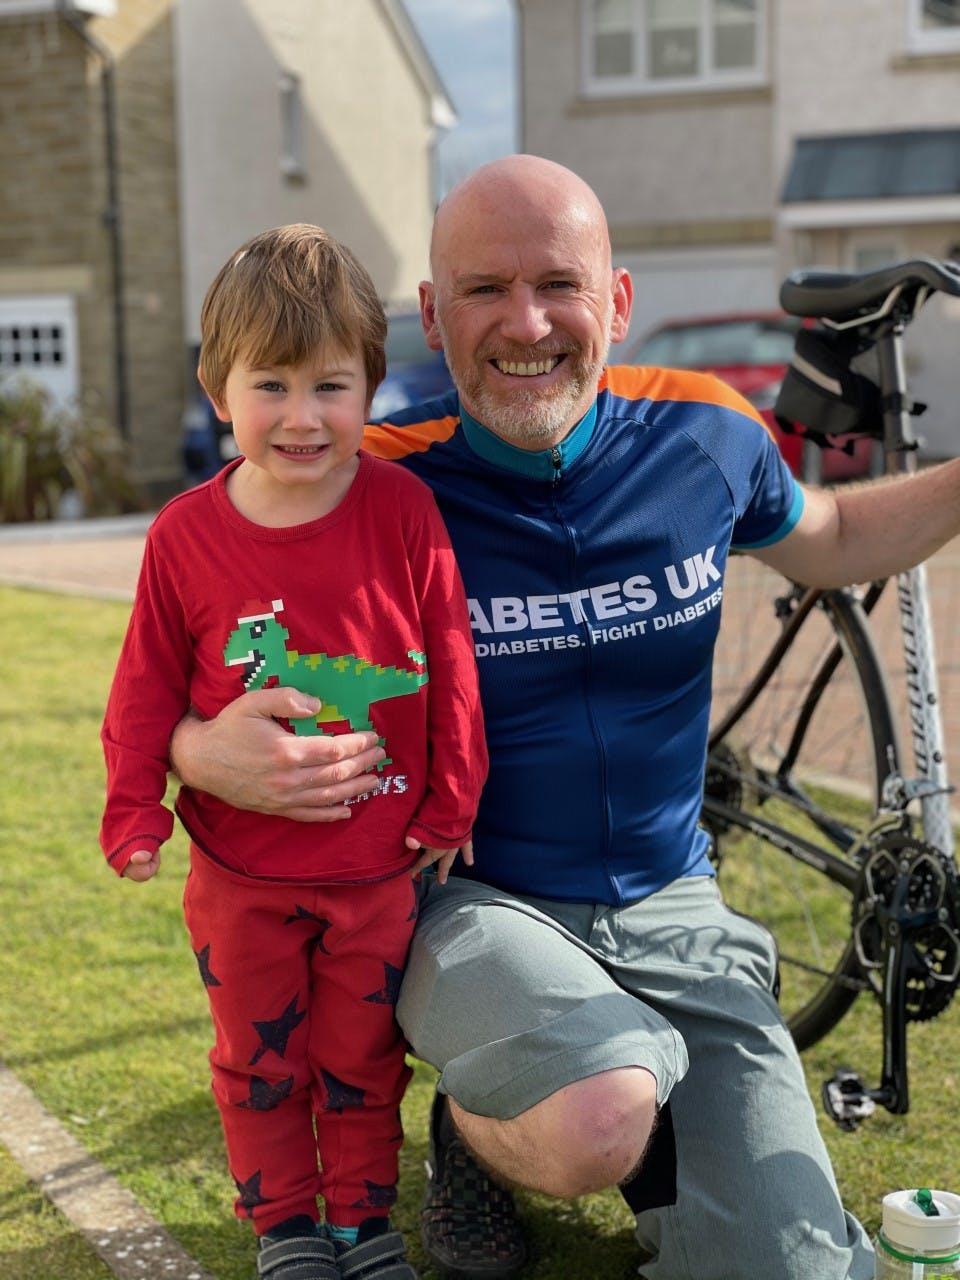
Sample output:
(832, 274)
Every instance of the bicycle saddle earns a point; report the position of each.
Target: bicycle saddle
(844, 296)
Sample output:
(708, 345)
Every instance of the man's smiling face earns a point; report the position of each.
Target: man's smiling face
(524, 300)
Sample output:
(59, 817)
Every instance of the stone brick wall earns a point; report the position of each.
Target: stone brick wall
(53, 193)
(50, 239)
(140, 37)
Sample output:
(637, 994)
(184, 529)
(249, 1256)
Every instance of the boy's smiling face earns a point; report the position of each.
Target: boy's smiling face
(299, 426)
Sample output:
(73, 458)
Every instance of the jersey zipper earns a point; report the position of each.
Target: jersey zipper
(573, 544)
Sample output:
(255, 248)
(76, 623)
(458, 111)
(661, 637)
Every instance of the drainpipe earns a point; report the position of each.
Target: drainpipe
(111, 214)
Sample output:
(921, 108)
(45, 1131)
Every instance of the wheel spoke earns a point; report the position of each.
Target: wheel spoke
(823, 709)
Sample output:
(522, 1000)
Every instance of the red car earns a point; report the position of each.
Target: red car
(750, 351)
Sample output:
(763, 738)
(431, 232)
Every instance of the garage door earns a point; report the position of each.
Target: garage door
(38, 340)
(675, 283)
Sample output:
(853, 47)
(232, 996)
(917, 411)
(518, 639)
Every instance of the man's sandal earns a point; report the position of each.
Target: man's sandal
(299, 1258)
(468, 1224)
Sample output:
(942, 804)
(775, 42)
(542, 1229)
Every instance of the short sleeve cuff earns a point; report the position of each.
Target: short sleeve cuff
(787, 525)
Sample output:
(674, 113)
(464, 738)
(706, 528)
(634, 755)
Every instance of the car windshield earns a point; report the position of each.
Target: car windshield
(405, 341)
(711, 346)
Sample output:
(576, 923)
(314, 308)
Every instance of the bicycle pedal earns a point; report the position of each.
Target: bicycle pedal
(846, 1099)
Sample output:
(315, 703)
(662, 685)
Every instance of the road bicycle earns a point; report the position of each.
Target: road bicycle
(821, 831)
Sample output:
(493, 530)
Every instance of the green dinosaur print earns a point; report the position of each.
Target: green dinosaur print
(345, 684)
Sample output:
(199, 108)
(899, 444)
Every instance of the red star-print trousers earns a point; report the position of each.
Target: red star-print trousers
(302, 982)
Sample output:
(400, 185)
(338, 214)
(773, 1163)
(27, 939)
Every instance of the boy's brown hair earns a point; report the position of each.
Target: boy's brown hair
(282, 297)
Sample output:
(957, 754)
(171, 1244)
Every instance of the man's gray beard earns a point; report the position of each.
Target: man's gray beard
(532, 417)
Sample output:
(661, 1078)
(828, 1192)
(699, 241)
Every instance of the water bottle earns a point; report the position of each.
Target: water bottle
(920, 1236)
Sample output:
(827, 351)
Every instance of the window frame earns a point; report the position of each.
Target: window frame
(920, 40)
(871, 239)
(639, 85)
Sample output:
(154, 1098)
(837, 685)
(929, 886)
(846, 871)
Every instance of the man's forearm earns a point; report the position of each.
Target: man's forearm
(247, 758)
(870, 531)
(888, 527)
(186, 750)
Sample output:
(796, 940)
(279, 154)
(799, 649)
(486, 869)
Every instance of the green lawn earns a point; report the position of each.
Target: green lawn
(35, 1242)
(103, 1015)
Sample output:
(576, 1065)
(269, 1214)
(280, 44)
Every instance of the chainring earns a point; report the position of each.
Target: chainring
(724, 781)
(898, 860)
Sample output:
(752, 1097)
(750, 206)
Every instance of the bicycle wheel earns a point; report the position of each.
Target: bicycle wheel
(803, 767)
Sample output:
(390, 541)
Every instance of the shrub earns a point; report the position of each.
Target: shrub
(46, 453)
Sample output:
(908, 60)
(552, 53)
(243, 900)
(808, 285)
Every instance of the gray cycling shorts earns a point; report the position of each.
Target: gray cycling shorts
(512, 997)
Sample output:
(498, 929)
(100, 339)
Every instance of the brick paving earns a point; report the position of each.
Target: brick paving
(745, 639)
(103, 567)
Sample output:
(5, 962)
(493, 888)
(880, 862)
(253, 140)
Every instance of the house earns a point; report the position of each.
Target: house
(733, 140)
(145, 139)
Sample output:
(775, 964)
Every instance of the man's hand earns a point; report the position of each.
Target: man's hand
(444, 858)
(143, 865)
(248, 760)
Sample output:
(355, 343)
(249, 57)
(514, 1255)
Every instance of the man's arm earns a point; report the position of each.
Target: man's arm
(246, 758)
(870, 531)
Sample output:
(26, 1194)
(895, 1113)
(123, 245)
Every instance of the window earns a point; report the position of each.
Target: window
(645, 46)
(873, 252)
(23, 347)
(933, 26)
(291, 127)
(38, 341)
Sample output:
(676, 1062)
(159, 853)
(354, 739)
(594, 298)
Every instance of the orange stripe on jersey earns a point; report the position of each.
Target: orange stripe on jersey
(396, 442)
(636, 381)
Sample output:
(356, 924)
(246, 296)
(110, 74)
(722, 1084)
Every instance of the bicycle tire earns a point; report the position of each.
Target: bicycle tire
(790, 738)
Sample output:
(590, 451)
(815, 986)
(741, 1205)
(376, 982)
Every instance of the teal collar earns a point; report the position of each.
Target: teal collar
(540, 464)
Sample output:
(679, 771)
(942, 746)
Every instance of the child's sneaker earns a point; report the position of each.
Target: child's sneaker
(297, 1250)
(377, 1255)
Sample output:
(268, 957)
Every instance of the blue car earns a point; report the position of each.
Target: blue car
(414, 373)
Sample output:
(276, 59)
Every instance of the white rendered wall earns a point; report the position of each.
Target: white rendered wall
(366, 136)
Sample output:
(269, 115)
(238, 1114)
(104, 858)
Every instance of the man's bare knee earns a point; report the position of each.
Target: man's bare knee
(604, 1127)
(586, 1136)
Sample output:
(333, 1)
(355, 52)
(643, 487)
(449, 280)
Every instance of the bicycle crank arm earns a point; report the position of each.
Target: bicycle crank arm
(846, 1099)
(894, 1077)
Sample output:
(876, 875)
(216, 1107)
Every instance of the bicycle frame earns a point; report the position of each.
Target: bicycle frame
(931, 784)
(899, 443)
(846, 1098)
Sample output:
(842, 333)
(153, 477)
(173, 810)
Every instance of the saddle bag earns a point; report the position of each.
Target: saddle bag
(822, 394)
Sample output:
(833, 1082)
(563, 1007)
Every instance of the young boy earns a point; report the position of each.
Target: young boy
(304, 564)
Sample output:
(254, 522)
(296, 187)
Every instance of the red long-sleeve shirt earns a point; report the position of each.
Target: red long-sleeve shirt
(361, 587)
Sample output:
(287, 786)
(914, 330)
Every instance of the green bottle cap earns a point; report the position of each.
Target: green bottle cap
(925, 1200)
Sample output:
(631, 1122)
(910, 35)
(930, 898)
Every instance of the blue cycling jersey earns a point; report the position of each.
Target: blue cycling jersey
(594, 573)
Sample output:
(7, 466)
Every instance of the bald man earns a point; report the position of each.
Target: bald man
(597, 1014)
